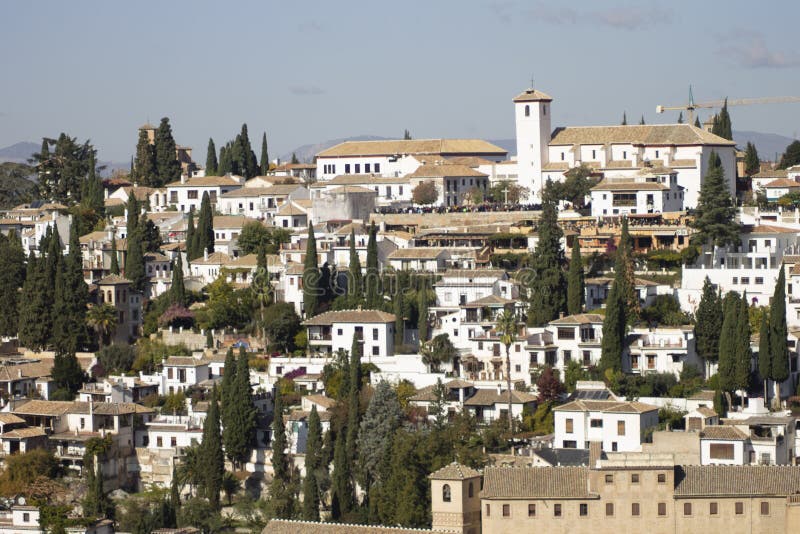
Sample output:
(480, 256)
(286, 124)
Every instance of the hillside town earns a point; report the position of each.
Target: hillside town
(406, 335)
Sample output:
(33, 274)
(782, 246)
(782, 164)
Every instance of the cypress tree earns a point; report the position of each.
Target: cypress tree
(92, 193)
(248, 164)
(145, 171)
(205, 227)
(680, 117)
(168, 168)
(399, 322)
(727, 342)
(191, 238)
(72, 296)
(354, 281)
(241, 438)
(624, 119)
(265, 157)
(697, 123)
(373, 296)
(624, 274)
(722, 123)
(312, 462)
(714, 219)
(423, 315)
(575, 285)
(310, 276)
(132, 215)
(751, 162)
(96, 503)
(177, 290)
(641, 121)
(12, 278)
(174, 496)
(134, 259)
(613, 325)
(211, 158)
(227, 392)
(764, 353)
(744, 354)
(341, 489)
(547, 286)
(779, 353)
(67, 373)
(791, 156)
(114, 259)
(294, 161)
(382, 418)
(353, 394)
(281, 501)
(211, 456)
(708, 324)
(35, 320)
(224, 166)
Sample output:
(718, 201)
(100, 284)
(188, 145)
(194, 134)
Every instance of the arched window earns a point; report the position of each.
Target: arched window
(446, 493)
(470, 491)
(527, 110)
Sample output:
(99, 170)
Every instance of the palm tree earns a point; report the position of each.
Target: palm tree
(230, 485)
(103, 319)
(188, 471)
(506, 327)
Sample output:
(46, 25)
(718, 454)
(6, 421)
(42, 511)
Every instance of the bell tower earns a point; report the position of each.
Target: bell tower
(532, 119)
(455, 499)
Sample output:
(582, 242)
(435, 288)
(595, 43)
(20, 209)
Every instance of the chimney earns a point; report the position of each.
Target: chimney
(183, 178)
(499, 389)
(91, 407)
(205, 254)
(19, 373)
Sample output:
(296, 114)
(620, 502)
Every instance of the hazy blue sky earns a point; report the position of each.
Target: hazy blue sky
(308, 71)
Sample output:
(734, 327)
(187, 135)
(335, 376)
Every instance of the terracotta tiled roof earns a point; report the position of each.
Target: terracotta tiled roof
(725, 432)
(581, 318)
(109, 408)
(768, 229)
(650, 134)
(614, 185)
(216, 258)
(706, 412)
(43, 407)
(782, 182)
(231, 221)
(581, 405)
(350, 316)
(532, 95)
(205, 181)
(351, 189)
(183, 361)
(417, 253)
(413, 147)
(290, 208)
(431, 171)
(704, 395)
(490, 397)
(113, 280)
(322, 400)
(10, 418)
(488, 301)
(24, 433)
(454, 471)
(744, 480)
(535, 483)
(359, 179)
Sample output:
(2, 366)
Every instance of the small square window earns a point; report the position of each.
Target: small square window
(635, 509)
(506, 510)
(635, 478)
(488, 510)
(764, 508)
(662, 478)
(662, 509)
(609, 479)
(609, 508)
(713, 509)
(531, 510)
(687, 508)
(739, 508)
(583, 509)
(557, 510)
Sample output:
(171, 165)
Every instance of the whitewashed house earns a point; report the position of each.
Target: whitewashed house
(618, 425)
(653, 191)
(332, 331)
(187, 193)
(661, 350)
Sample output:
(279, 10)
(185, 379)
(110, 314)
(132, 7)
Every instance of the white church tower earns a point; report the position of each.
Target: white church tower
(532, 118)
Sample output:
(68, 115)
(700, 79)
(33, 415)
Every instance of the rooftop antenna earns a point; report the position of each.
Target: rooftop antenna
(531, 80)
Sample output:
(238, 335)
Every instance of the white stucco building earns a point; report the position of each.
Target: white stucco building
(187, 193)
(618, 425)
(332, 331)
(653, 191)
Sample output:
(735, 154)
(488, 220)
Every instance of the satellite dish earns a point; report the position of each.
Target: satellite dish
(21, 500)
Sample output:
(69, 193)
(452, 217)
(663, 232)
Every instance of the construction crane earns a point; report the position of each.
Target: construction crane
(692, 105)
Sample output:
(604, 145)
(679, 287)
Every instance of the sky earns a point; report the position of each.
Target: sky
(312, 70)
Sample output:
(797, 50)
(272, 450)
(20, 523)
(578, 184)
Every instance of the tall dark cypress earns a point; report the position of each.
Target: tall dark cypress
(575, 284)
(211, 456)
(764, 353)
(145, 171)
(312, 464)
(12, 278)
(281, 494)
(191, 238)
(310, 276)
(167, 165)
(743, 353)
(613, 324)
(205, 227)
(399, 322)
(35, 321)
(72, 296)
(211, 158)
(727, 342)
(708, 324)
(373, 295)
(624, 274)
(341, 489)
(546, 284)
(114, 269)
(354, 281)
(177, 289)
(134, 259)
(92, 194)
(246, 163)
(264, 155)
(779, 352)
(422, 323)
(240, 440)
(722, 123)
(226, 394)
(224, 166)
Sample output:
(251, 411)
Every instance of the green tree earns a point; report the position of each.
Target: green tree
(697, 123)
(373, 296)
(264, 155)
(406, 495)
(62, 172)
(177, 290)
(791, 156)
(546, 284)
(210, 455)
(294, 160)
(92, 200)
(399, 321)
(507, 329)
(624, 274)
(191, 238)
(211, 158)
(614, 327)
(205, 228)
(641, 121)
(575, 187)
(507, 192)
(422, 323)
(114, 257)
(69, 315)
(624, 119)
(425, 193)
(727, 342)
(714, 219)
(575, 283)
(751, 162)
(67, 374)
(310, 276)
(743, 355)
(680, 117)
(437, 351)
(722, 123)
(354, 282)
(103, 319)
(281, 325)
(134, 259)
(779, 353)
(254, 236)
(406, 135)
(764, 354)
(145, 171)
(35, 321)
(168, 168)
(96, 503)
(708, 325)
(12, 278)
(281, 497)
(151, 236)
(240, 437)
(313, 463)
